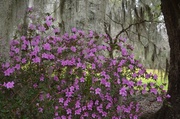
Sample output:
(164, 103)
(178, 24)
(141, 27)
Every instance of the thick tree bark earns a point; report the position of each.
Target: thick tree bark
(171, 106)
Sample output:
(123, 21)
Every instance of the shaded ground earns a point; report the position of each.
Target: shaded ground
(149, 105)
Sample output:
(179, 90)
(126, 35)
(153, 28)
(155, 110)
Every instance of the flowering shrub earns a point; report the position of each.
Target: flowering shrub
(69, 76)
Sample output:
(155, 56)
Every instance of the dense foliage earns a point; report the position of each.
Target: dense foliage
(62, 76)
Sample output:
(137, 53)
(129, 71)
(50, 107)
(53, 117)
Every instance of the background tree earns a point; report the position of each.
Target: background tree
(139, 21)
(11, 14)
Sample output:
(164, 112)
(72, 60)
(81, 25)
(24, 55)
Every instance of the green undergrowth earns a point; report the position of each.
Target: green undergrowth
(161, 79)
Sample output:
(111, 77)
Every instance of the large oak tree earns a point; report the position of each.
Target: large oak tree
(171, 106)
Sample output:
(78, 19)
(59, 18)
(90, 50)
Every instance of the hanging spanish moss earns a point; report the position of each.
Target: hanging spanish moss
(140, 21)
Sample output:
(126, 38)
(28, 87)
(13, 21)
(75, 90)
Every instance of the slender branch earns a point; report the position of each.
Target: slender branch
(125, 29)
(106, 27)
(128, 27)
(113, 20)
(107, 31)
(137, 34)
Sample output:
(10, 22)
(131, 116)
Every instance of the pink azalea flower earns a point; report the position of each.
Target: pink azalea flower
(6, 65)
(40, 110)
(48, 95)
(79, 65)
(135, 117)
(35, 85)
(83, 66)
(81, 32)
(17, 66)
(90, 35)
(96, 102)
(91, 42)
(36, 49)
(48, 17)
(154, 90)
(104, 114)
(168, 96)
(134, 75)
(51, 56)
(42, 78)
(63, 117)
(131, 66)
(24, 47)
(74, 30)
(82, 79)
(90, 105)
(139, 83)
(41, 28)
(122, 62)
(114, 117)
(56, 30)
(36, 60)
(61, 100)
(64, 62)
(66, 103)
(86, 114)
(118, 81)
(74, 37)
(70, 117)
(118, 109)
(97, 91)
(108, 105)
(9, 71)
(124, 51)
(123, 91)
(9, 85)
(99, 108)
(144, 91)
(23, 38)
(139, 65)
(16, 50)
(17, 58)
(147, 76)
(77, 105)
(56, 114)
(159, 99)
(59, 50)
(78, 111)
(155, 77)
(47, 46)
(84, 108)
(73, 48)
(113, 62)
(69, 94)
(32, 27)
(23, 60)
(44, 55)
(56, 78)
(130, 83)
(68, 111)
(107, 84)
(93, 115)
(48, 23)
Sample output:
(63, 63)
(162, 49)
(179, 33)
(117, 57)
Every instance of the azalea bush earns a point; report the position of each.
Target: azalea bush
(70, 76)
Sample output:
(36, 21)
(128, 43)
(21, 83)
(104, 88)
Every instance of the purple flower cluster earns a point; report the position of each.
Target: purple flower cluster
(72, 72)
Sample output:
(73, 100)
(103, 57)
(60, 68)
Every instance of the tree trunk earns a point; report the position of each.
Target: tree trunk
(11, 12)
(171, 106)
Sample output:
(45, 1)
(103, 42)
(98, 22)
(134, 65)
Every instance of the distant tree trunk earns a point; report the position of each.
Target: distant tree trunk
(171, 12)
(11, 13)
